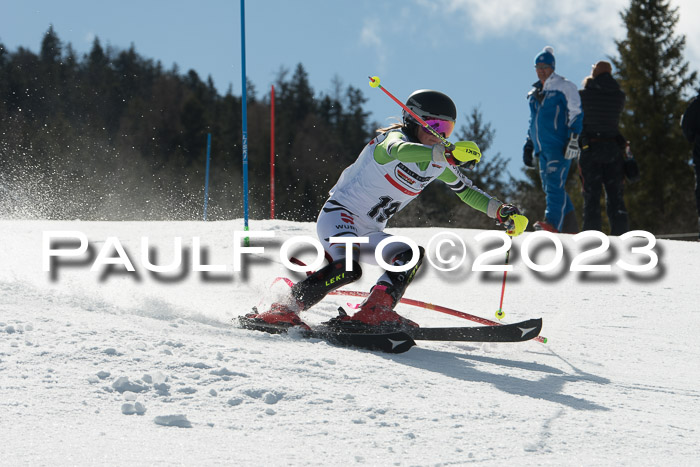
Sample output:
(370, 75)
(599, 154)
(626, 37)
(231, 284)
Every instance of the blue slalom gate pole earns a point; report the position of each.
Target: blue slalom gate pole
(244, 112)
(206, 176)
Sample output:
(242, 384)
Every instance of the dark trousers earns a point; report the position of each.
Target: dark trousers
(696, 164)
(601, 166)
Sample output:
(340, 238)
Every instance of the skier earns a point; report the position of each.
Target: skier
(392, 170)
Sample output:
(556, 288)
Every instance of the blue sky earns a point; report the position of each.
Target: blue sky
(478, 52)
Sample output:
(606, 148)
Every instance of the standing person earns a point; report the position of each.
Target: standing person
(392, 170)
(691, 129)
(555, 125)
(602, 162)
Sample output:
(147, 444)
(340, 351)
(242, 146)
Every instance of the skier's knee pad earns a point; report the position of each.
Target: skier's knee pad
(327, 279)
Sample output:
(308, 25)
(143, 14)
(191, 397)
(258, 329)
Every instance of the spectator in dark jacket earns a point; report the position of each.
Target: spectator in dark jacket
(601, 163)
(691, 129)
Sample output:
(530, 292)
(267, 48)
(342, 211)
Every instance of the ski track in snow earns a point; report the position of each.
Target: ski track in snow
(120, 370)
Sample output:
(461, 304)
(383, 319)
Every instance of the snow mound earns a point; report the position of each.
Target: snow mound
(179, 421)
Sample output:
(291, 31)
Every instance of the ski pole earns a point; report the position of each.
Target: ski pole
(500, 314)
(463, 151)
(375, 83)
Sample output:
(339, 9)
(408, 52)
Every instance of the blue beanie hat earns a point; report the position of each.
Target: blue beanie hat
(546, 57)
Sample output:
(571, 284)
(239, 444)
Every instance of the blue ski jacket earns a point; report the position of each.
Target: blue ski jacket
(555, 114)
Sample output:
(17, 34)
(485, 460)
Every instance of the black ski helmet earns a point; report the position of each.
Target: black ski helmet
(427, 103)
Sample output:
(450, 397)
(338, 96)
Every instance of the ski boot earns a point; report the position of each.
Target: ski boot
(303, 295)
(279, 315)
(544, 225)
(376, 315)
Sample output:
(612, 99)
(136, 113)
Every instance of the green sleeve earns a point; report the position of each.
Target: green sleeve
(470, 195)
(395, 147)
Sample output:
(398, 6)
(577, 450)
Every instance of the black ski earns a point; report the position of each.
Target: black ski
(401, 341)
(516, 332)
(393, 342)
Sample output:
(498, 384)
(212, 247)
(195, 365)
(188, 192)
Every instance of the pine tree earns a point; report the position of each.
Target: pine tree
(50, 47)
(490, 173)
(652, 72)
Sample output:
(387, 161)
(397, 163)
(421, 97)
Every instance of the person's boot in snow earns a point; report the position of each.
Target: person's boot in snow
(281, 315)
(376, 314)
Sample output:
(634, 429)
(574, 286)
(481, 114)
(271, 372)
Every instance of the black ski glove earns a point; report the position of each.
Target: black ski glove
(505, 211)
(509, 217)
(528, 159)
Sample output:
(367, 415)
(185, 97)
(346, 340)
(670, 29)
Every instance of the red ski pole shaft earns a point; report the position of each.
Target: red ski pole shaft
(499, 313)
(374, 82)
(503, 289)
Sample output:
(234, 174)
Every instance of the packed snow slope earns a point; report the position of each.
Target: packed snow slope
(111, 367)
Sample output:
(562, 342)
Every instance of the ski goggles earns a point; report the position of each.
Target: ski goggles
(443, 127)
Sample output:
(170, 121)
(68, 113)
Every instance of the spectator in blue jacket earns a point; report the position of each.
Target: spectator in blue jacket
(556, 121)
